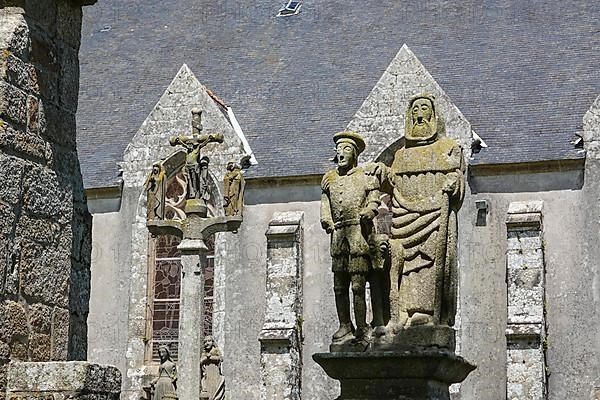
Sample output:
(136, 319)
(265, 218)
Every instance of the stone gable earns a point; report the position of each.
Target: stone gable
(380, 119)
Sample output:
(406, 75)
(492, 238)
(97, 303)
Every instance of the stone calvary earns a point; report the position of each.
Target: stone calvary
(408, 347)
(179, 203)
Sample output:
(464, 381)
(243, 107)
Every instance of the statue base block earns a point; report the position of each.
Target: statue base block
(195, 206)
(395, 375)
(424, 336)
(411, 338)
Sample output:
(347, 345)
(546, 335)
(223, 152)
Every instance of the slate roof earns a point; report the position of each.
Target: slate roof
(523, 73)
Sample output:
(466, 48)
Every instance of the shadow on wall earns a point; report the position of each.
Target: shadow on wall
(283, 192)
(527, 182)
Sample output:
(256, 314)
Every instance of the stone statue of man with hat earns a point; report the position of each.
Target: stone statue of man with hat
(349, 203)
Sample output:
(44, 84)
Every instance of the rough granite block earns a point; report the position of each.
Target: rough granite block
(74, 378)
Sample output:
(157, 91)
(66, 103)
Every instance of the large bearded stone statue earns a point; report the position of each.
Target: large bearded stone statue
(426, 184)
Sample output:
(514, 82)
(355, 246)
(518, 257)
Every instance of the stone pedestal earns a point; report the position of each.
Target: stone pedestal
(62, 380)
(395, 375)
(423, 336)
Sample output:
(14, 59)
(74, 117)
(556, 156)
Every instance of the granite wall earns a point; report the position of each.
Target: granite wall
(45, 240)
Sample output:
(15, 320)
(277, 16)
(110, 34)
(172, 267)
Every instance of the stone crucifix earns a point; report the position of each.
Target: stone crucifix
(196, 165)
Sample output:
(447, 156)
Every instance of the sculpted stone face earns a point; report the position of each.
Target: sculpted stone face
(422, 111)
(346, 155)
(423, 126)
(163, 354)
(208, 343)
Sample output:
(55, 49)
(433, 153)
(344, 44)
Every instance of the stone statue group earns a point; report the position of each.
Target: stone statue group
(193, 178)
(164, 386)
(412, 272)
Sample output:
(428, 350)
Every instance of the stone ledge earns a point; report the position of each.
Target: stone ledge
(67, 377)
(285, 335)
(529, 221)
(524, 215)
(287, 218)
(418, 337)
(523, 331)
(525, 207)
(285, 223)
(282, 230)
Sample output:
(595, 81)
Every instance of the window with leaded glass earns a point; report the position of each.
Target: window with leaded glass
(164, 294)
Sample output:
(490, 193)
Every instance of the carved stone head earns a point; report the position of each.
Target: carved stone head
(232, 166)
(379, 248)
(348, 145)
(196, 121)
(204, 161)
(209, 343)
(164, 353)
(422, 122)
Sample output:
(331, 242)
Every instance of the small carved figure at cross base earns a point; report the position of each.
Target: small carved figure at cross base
(213, 381)
(165, 385)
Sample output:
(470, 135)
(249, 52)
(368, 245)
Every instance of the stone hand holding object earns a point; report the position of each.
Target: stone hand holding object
(451, 184)
(374, 168)
(367, 214)
(327, 226)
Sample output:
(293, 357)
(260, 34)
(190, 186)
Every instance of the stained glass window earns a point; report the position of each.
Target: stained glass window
(165, 294)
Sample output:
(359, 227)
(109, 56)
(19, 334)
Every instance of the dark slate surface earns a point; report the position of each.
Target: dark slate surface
(523, 72)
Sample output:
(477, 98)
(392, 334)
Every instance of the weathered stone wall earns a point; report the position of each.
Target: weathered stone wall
(571, 322)
(44, 226)
(107, 321)
(246, 295)
(589, 295)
